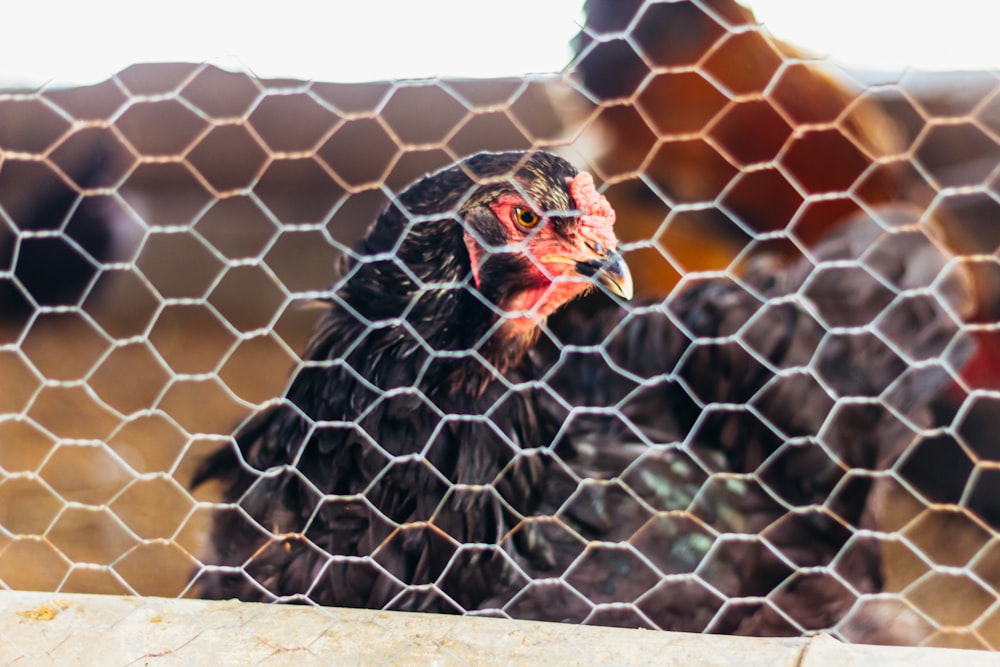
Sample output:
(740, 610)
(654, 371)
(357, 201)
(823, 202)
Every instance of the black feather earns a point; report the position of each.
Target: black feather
(733, 435)
(381, 445)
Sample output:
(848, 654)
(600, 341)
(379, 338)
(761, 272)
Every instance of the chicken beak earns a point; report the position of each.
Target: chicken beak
(614, 275)
(611, 271)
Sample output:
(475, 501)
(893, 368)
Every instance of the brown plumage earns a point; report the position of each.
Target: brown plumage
(713, 132)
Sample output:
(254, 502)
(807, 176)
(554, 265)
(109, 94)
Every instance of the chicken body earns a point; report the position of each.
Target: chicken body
(705, 462)
(411, 428)
(726, 449)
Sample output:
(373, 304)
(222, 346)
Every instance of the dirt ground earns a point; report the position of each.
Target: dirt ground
(96, 459)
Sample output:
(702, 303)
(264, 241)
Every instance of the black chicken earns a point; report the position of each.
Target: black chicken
(701, 463)
(412, 427)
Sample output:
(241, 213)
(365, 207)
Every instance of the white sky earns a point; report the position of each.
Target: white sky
(77, 41)
(891, 34)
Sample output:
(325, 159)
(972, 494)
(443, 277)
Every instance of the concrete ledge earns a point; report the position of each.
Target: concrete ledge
(51, 628)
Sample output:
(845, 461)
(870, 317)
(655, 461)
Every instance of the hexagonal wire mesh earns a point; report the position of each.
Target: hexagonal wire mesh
(788, 430)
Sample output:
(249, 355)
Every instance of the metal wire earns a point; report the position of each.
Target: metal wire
(232, 198)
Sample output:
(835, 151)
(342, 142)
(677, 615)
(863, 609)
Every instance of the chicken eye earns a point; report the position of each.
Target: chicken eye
(525, 217)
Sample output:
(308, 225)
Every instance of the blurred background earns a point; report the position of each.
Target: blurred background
(176, 186)
(54, 40)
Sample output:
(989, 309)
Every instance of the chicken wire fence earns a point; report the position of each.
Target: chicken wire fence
(788, 430)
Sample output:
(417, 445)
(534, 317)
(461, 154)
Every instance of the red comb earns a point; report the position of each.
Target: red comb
(598, 219)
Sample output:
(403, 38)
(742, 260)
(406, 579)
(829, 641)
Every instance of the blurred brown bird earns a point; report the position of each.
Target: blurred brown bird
(711, 132)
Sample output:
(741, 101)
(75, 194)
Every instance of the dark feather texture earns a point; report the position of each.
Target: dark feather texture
(725, 448)
(701, 463)
(410, 429)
